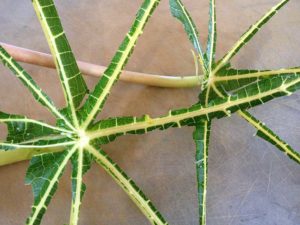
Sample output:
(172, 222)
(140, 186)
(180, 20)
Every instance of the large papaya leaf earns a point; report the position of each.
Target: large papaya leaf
(225, 90)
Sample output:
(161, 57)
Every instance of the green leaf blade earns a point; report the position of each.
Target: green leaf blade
(268, 135)
(70, 76)
(231, 80)
(43, 174)
(27, 80)
(38, 143)
(179, 12)
(201, 138)
(22, 129)
(128, 185)
(249, 34)
(81, 163)
(212, 35)
(28, 133)
(97, 98)
(250, 96)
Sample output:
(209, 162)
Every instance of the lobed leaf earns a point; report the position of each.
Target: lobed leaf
(225, 90)
(210, 91)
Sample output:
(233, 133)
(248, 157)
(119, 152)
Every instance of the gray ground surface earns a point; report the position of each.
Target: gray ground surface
(250, 182)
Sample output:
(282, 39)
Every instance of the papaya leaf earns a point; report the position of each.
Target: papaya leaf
(77, 137)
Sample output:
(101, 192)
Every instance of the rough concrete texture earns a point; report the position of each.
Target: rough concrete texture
(250, 182)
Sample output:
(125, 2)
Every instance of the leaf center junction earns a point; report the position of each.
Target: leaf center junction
(83, 138)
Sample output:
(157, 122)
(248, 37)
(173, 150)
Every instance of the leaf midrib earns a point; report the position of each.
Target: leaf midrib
(177, 118)
(117, 70)
(53, 48)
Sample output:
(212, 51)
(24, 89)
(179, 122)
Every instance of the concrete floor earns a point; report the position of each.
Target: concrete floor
(250, 182)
